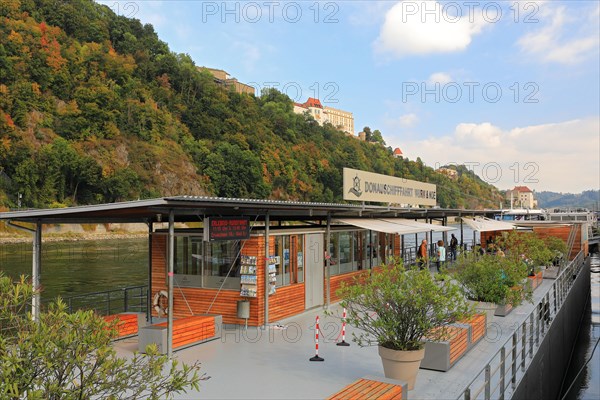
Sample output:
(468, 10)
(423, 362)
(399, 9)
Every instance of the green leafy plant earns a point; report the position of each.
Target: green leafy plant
(526, 246)
(492, 278)
(558, 248)
(397, 308)
(70, 356)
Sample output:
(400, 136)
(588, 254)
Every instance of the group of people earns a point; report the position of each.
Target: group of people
(423, 253)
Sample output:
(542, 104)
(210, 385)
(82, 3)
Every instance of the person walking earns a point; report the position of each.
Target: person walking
(423, 255)
(453, 246)
(441, 255)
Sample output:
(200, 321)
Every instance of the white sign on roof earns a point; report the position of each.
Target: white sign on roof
(368, 186)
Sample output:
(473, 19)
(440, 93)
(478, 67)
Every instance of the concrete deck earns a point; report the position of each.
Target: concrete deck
(274, 363)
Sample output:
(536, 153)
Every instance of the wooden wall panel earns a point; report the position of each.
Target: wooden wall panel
(286, 301)
(336, 282)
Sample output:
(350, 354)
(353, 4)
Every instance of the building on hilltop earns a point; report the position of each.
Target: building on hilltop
(342, 120)
(521, 196)
(398, 153)
(222, 78)
(449, 172)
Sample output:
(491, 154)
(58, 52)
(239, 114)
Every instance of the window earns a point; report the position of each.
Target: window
(206, 264)
(290, 270)
(346, 253)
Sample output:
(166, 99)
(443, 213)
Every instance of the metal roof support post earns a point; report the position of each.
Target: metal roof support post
(267, 283)
(327, 263)
(171, 254)
(461, 230)
(36, 271)
(148, 294)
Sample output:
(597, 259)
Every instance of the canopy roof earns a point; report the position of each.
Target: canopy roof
(187, 208)
(393, 225)
(483, 224)
(424, 227)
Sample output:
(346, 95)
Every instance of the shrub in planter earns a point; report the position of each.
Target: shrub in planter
(492, 278)
(527, 247)
(397, 308)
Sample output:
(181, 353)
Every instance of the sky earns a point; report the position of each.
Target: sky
(508, 88)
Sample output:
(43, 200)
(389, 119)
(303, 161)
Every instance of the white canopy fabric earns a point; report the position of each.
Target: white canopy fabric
(482, 224)
(425, 227)
(379, 225)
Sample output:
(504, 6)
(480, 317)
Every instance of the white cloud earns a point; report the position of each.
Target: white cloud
(562, 157)
(408, 119)
(555, 41)
(439, 77)
(426, 27)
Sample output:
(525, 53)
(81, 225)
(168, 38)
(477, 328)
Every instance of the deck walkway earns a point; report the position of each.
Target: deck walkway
(274, 363)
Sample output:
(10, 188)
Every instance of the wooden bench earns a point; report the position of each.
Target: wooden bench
(371, 387)
(442, 355)
(128, 324)
(187, 332)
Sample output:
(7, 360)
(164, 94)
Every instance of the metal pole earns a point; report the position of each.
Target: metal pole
(513, 378)
(502, 372)
(328, 264)
(171, 254)
(488, 382)
(149, 291)
(267, 223)
(36, 271)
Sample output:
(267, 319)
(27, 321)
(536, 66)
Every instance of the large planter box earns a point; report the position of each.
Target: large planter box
(462, 336)
(128, 324)
(503, 310)
(187, 332)
(536, 280)
(441, 356)
(552, 272)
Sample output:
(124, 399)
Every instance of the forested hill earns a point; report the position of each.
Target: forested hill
(95, 108)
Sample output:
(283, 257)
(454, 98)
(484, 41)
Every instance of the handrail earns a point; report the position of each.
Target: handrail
(107, 302)
(518, 350)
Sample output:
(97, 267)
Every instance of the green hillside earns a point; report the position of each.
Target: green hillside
(95, 108)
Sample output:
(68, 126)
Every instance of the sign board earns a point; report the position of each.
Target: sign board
(368, 186)
(226, 228)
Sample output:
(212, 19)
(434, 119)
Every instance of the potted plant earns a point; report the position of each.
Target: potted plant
(494, 283)
(396, 309)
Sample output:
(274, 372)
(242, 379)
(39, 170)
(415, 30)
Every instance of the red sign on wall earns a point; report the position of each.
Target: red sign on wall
(230, 228)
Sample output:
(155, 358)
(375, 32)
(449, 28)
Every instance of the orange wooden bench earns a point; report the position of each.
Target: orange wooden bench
(373, 388)
(187, 332)
(127, 323)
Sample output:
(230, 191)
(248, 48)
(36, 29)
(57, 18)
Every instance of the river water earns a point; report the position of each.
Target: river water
(78, 267)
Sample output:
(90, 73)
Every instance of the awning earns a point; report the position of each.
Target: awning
(425, 227)
(482, 224)
(379, 225)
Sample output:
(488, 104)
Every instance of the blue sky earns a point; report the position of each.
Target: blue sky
(509, 88)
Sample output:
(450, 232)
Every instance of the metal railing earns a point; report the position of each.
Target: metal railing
(409, 256)
(499, 378)
(133, 298)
